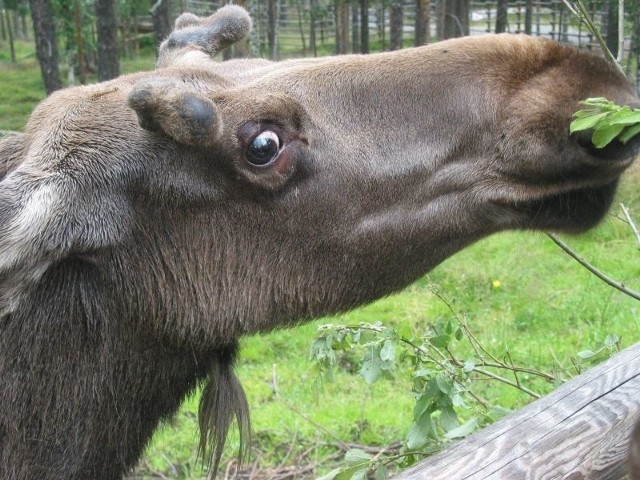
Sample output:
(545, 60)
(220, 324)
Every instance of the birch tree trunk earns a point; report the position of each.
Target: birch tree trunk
(364, 26)
(422, 25)
(396, 24)
(160, 10)
(273, 14)
(501, 16)
(46, 43)
(107, 28)
(8, 18)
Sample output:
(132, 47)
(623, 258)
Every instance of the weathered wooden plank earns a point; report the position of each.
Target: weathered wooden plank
(579, 431)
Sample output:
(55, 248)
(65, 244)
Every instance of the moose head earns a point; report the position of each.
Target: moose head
(146, 223)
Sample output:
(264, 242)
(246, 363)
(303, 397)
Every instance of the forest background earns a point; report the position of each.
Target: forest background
(92, 36)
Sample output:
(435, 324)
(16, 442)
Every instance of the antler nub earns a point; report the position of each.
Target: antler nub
(210, 35)
(164, 105)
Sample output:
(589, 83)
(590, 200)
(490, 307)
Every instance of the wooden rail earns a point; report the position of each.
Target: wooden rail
(579, 431)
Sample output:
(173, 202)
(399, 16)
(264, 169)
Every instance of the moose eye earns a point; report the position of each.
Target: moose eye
(264, 148)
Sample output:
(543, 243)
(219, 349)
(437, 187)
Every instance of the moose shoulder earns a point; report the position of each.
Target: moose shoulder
(148, 222)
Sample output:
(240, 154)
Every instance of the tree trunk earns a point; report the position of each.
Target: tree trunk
(396, 24)
(8, 19)
(355, 28)
(77, 21)
(463, 13)
(15, 28)
(456, 19)
(342, 26)
(301, 27)
(107, 27)
(423, 20)
(23, 22)
(312, 32)
(254, 34)
(528, 17)
(3, 31)
(501, 16)
(364, 26)
(442, 13)
(612, 27)
(46, 44)
(160, 16)
(635, 42)
(272, 14)
(382, 23)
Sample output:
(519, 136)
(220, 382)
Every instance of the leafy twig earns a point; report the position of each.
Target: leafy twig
(607, 120)
(581, 13)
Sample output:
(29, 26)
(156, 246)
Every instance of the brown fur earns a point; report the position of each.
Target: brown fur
(137, 243)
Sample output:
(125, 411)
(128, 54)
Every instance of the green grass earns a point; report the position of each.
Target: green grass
(22, 86)
(545, 309)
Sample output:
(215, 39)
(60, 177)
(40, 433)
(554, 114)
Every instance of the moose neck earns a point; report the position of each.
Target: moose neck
(251, 275)
(102, 381)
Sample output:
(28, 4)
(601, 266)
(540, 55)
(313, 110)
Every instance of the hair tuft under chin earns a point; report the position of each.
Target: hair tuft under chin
(223, 399)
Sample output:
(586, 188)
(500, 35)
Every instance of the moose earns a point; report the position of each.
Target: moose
(148, 222)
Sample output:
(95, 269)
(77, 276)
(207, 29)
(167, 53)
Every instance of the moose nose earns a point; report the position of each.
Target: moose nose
(615, 150)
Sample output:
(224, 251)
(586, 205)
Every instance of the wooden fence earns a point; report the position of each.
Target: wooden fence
(579, 431)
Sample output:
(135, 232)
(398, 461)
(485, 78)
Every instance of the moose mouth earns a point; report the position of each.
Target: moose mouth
(569, 212)
(579, 209)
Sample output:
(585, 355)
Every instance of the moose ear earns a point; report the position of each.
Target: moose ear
(226, 26)
(169, 107)
(49, 213)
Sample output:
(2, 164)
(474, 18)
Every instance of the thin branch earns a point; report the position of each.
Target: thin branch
(601, 275)
(475, 341)
(276, 392)
(632, 224)
(581, 13)
(510, 366)
(517, 369)
(620, 31)
(154, 8)
(494, 376)
(570, 8)
(482, 403)
(423, 452)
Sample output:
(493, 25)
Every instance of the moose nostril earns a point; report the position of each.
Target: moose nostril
(583, 138)
(615, 150)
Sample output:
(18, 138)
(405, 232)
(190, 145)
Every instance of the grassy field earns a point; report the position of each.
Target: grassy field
(519, 294)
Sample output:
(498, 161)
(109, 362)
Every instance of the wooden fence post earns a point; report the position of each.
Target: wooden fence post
(579, 431)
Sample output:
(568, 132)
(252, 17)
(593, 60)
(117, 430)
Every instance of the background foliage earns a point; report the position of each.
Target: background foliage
(284, 28)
